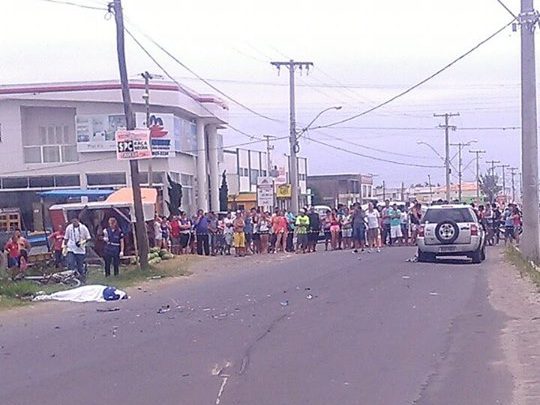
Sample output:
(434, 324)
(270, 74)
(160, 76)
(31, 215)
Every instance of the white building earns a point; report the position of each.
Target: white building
(61, 135)
(244, 166)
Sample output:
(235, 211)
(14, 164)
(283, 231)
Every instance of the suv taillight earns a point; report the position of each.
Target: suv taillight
(474, 230)
(421, 231)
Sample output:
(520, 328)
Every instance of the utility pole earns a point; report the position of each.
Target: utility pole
(269, 149)
(513, 172)
(430, 188)
(293, 135)
(503, 167)
(384, 189)
(447, 128)
(140, 227)
(492, 163)
(530, 243)
(146, 96)
(477, 153)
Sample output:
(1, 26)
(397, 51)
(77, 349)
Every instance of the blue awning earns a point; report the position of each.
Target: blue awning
(75, 193)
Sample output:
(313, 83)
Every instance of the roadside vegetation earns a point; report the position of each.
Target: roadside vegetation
(18, 293)
(525, 267)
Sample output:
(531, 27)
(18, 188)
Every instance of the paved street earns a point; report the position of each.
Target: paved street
(378, 330)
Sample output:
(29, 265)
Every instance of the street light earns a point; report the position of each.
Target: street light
(308, 126)
(295, 148)
(432, 148)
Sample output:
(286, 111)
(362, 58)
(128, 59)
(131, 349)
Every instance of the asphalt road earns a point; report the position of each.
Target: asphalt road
(378, 330)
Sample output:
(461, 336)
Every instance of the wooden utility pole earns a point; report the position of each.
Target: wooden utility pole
(477, 153)
(140, 227)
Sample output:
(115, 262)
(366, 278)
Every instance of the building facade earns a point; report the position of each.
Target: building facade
(335, 189)
(61, 135)
(243, 167)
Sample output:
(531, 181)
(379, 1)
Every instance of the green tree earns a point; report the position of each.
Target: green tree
(489, 185)
(224, 193)
(175, 196)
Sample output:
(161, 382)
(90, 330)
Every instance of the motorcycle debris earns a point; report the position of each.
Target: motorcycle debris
(433, 293)
(309, 297)
(405, 277)
(284, 303)
(164, 309)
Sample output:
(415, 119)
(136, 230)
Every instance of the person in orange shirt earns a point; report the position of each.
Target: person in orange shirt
(13, 256)
(279, 227)
(57, 239)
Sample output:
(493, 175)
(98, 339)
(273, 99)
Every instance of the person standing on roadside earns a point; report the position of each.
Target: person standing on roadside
(239, 238)
(264, 230)
(114, 247)
(415, 218)
(359, 228)
(57, 238)
(279, 229)
(248, 231)
(386, 237)
(291, 224)
(373, 224)
(395, 225)
(75, 239)
(201, 233)
(174, 225)
(314, 230)
(302, 226)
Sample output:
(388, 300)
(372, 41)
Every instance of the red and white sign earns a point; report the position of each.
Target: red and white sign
(133, 144)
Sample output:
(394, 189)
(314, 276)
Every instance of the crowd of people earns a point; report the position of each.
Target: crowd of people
(356, 228)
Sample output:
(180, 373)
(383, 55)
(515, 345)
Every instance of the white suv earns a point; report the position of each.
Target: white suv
(451, 230)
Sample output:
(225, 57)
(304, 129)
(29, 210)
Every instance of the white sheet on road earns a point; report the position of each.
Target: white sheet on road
(87, 293)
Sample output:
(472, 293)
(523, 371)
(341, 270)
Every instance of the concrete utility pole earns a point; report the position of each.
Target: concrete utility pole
(384, 190)
(503, 167)
(146, 96)
(269, 149)
(140, 227)
(513, 172)
(460, 147)
(293, 136)
(477, 153)
(430, 188)
(447, 128)
(530, 243)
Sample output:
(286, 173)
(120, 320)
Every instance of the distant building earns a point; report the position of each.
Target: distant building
(427, 194)
(243, 167)
(346, 189)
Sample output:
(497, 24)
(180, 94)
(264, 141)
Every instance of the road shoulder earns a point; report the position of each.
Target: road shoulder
(517, 297)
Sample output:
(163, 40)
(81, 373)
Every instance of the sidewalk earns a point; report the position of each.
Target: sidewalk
(518, 298)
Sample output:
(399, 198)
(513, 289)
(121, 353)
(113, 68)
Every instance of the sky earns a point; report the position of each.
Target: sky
(364, 52)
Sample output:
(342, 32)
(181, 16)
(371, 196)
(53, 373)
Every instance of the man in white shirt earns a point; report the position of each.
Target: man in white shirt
(75, 239)
(373, 223)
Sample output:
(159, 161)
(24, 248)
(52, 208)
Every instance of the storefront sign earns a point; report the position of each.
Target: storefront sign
(284, 191)
(132, 145)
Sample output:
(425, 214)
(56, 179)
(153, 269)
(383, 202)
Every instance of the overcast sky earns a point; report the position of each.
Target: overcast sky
(364, 52)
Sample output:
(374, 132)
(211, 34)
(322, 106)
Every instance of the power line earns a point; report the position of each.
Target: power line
(449, 65)
(70, 3)
(507, 9)
(202, 79)
(374, 158)
(180, 87)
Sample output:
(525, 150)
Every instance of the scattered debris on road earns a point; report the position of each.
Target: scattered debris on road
(164, 309)
(405, 277)
(433, 293)
(309, 297)
(284, 303)
(413, 259)
(111, 309)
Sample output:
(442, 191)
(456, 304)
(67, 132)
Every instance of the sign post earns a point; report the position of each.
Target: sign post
(265, 192)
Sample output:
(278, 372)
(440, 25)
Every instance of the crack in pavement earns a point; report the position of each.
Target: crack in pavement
(247, 354)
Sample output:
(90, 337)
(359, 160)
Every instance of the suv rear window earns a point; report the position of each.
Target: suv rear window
(452, 214)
